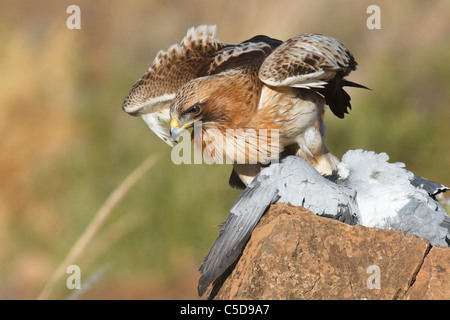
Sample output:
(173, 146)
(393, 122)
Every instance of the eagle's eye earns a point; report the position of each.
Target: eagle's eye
(195, 110)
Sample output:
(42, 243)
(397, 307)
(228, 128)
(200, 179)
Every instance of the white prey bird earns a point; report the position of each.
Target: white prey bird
(391, 197)
(365, 189)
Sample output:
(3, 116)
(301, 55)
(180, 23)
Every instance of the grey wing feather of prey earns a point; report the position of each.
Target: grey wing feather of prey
(424, 220)
(433, 188)
(446, 224)
(306, 187)
(243, 218)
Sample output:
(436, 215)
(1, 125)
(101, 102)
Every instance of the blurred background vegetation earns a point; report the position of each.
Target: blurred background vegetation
(66, 143)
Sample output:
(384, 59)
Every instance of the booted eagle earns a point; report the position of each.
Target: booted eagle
(256, 101)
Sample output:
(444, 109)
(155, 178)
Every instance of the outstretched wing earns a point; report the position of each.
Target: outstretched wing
(151, 96)
(306, 61)
(243, 218)
(250, 52)
(293, 181)
(312, 61)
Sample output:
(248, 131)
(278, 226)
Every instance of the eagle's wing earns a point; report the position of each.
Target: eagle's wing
(306, 61)
(151, 96)
(312, 61)
(250, 52)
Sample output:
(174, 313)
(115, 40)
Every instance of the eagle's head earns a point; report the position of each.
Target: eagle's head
(212, 100)
(191, 104)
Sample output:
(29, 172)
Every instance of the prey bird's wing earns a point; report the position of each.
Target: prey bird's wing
(304, 186)
(433, 188)
(244, 216)
(151, 96)
(294, 181)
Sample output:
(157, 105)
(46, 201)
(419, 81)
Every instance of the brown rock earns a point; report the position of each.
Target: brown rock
(294, 254)
(433, 279)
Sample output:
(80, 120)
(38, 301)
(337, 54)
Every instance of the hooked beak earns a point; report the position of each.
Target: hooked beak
(176, 131)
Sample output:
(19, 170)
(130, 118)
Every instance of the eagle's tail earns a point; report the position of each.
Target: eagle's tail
(346, 83)
(337, 98)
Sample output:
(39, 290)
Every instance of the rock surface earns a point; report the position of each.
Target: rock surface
(294, 254)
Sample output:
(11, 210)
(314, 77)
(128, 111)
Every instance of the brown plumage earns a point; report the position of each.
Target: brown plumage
(260, 99)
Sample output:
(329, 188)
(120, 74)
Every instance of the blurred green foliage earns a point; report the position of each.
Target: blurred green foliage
(404, 115)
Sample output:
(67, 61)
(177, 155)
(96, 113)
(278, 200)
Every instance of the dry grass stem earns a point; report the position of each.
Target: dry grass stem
(96, 224)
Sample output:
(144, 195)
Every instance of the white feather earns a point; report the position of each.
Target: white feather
(158, 122)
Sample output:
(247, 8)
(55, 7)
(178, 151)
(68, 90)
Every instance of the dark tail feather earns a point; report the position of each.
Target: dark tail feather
(346, 83)
(340, 103)
(337, 98)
